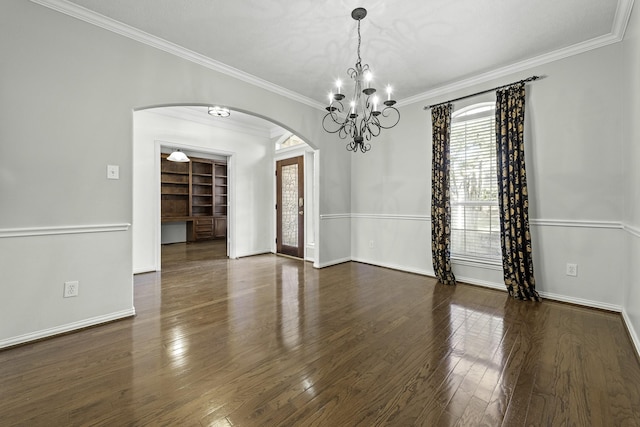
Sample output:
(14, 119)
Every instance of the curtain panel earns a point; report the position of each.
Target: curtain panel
(440, 206)
(517, 259)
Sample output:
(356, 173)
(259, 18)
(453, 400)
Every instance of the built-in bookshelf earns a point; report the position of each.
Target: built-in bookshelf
(195, 192)
(175, 180)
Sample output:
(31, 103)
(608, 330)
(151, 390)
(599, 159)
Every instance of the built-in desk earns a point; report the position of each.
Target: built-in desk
(202, 227)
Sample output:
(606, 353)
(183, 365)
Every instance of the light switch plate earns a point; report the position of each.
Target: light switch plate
(113, 172)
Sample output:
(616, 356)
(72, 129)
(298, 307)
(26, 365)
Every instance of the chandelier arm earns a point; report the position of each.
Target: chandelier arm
(387, 112)
(333, 116)
(373, 129)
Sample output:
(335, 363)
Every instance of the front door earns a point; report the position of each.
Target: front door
(290, 207)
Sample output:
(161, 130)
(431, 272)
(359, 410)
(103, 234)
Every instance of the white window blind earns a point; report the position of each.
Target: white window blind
(475, 219)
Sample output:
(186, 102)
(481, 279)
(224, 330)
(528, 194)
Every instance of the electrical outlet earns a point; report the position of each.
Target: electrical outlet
(71, 289)
(572, 269)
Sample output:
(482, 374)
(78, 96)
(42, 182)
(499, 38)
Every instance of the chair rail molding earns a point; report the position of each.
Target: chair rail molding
(62, 229)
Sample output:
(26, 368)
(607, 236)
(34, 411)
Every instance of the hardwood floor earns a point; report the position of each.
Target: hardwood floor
(271, 341)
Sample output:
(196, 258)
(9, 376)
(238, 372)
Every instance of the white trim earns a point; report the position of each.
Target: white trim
(621, 19)
(631, 230)
(392, 216)
(545, 295)
(291, 152)
(69, 327)
(335, 216)
(310, 252)
(482, 283)
(253, 253)
(397, 267)
(582, 302)
(535, 222)
(332, 262)
(635, 339)
(109, 24)
(64, 229)
(316, 209)
(142, 270)
(575, 223)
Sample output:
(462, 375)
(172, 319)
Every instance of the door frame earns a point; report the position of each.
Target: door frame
(299, 250)
(231, 194)
(311, 194)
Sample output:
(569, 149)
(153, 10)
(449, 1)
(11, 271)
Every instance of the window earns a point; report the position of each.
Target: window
(475, 219)
(289, 142)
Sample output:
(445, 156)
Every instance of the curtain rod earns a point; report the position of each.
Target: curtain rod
(529, 79)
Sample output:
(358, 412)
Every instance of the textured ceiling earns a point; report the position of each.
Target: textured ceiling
(416, 46)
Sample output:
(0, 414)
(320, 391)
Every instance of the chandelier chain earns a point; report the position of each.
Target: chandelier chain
(359, 42)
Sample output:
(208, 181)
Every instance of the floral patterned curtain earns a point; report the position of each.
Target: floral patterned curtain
(440, 207)
(517, 260)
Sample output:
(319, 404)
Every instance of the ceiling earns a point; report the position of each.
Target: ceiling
(237, 121)
(299, 48)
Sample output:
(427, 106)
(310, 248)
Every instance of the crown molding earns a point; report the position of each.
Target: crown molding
(621, 19)
(125, 30)
(631, 230)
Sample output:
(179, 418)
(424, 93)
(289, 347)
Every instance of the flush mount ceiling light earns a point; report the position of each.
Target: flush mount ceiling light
(219, 111)
(363, 119)
(178, 156)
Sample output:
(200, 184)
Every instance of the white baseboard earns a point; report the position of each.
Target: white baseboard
(147, 269)
(69, 327)
(482, 283)
(634, 335)
(547, 295)
(398, 267)
(580, 301)
(332, 262)
(253, 253)
(310, 252)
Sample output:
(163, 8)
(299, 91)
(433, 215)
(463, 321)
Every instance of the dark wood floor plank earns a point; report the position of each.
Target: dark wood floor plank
(268, 340)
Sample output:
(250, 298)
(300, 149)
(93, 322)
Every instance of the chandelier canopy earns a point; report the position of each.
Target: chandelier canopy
(364, 118)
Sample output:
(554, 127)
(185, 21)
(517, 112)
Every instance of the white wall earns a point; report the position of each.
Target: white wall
(574, 165)
(69, 90)
(252, 178)
(631, 182)
(334, 204)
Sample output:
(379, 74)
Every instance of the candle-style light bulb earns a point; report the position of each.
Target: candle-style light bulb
(388, 93)
(338, 84)
(375, 103)
(330, 98)
(353, 107)
(368, 77)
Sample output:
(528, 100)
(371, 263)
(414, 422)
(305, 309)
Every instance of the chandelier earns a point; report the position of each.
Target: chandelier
(364, 117)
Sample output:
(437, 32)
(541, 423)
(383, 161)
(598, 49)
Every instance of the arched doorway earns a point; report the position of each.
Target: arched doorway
(247, 142)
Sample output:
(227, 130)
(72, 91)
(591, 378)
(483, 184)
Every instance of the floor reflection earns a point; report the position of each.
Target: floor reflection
(290, 303)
